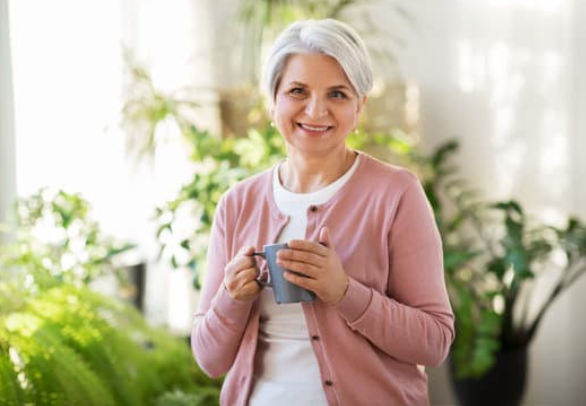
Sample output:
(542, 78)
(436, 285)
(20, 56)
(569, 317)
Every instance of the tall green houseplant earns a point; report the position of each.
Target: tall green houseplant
(494, 256)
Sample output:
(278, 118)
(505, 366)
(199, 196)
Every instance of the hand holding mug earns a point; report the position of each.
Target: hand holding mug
(283, 290)
(240, 276)
(320, 266)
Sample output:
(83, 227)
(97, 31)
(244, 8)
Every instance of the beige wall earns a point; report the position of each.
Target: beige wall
(503, 77)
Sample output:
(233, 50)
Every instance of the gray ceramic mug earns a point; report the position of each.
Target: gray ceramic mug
(285, 291)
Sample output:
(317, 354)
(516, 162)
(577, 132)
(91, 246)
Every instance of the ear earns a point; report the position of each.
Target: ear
(359, 108)
(361, 104)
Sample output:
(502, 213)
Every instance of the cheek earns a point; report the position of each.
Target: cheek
(348, 117)
(284, 111)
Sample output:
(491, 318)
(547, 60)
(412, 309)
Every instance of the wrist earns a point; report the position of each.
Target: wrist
(344, 290)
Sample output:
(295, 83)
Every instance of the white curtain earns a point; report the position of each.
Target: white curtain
(69, 76)
(7, 162)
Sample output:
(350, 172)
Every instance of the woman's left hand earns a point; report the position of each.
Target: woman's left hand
(319, 265)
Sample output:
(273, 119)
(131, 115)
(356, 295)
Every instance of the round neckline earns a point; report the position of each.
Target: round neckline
(361, 157)
(298, 196)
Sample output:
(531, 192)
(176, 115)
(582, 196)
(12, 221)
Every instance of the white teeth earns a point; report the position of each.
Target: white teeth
(312, 128)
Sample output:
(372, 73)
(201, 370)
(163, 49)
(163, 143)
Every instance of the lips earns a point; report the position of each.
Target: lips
(314, 128)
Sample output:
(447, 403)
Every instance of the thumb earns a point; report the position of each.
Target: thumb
(325, 238)
(247, 251)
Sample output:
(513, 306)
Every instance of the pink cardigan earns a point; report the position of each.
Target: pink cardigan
(395, 314)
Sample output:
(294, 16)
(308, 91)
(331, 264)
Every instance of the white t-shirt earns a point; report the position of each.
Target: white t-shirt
(286, 369)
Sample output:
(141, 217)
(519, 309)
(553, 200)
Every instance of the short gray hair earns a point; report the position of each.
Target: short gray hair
(329, 37)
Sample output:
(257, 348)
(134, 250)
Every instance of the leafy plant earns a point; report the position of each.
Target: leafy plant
(223, 162)
(494, 255)
(203, 397)
(67, 345)
(62, 344)
(264, 19)
(146, 108)
(57, 240)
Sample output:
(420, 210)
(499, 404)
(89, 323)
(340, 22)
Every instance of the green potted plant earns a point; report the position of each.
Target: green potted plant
(63, 344)
(55, 236)
(494, 257)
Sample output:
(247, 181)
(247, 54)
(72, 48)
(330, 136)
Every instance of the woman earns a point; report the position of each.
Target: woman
(361, 237)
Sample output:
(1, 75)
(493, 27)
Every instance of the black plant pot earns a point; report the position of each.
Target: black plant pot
(136, 278)
(503, 385)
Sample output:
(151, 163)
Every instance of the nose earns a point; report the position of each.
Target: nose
(316, 108)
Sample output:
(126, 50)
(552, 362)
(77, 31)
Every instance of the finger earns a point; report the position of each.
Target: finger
(238, 281)
(241, 258)
(325, 239)
(242, 263)
(308, 246)
(308, 270)
(300, 256)
(251, 288)
(302, 281)
(247, 275)
(248, 251)
(245, 251)
(247, 292)
(234, 278)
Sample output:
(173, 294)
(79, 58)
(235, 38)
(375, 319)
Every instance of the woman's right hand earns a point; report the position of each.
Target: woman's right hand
(240, 276)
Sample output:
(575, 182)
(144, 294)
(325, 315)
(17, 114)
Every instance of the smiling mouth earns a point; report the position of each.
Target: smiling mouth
(314, 128)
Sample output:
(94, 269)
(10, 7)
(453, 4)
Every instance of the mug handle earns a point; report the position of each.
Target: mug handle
(258, 280)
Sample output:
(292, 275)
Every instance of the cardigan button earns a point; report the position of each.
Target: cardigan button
(315, 338)
(313, 208)
(328, 383)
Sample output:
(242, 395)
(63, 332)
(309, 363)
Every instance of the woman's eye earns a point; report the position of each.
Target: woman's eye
(337, 94)
(297, 91)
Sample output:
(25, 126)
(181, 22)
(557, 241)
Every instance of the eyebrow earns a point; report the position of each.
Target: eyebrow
(336, 87)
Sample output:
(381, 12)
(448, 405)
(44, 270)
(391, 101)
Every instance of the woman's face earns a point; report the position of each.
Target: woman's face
(315, 105)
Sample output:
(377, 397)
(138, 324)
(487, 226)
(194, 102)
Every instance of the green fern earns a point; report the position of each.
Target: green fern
(69, 346)
(53, 373)
(12, 393)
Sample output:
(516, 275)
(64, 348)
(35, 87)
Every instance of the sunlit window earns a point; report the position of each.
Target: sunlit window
(69, 72)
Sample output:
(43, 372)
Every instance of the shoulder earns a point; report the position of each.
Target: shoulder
(375, 174)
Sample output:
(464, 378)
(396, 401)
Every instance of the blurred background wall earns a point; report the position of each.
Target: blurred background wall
(503, 76)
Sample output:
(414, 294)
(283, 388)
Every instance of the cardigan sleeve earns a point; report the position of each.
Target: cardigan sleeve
(220, 320)
(413, 320)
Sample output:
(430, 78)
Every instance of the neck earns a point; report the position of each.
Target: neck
(301, 174)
